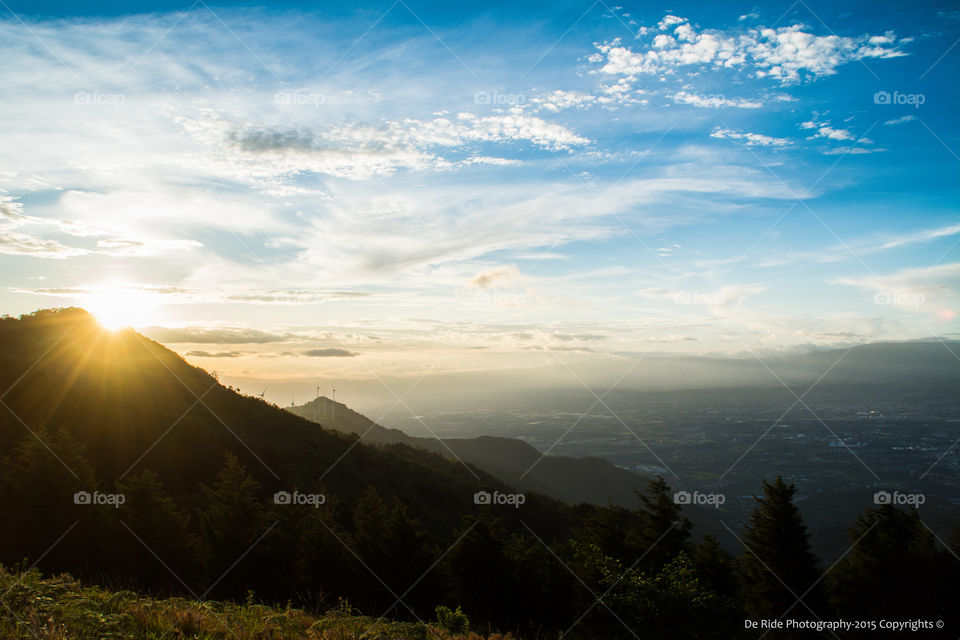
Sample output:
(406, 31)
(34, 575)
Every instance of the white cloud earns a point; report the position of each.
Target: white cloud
(729, 296)
(824, 130)
(858, 248)
(363, 151)
(668, 21)
(932, 290)
(14, 243)
(750, 139)
(856, 151)
(559, 99)
(786, 54)
(715, 101)
(907, 118)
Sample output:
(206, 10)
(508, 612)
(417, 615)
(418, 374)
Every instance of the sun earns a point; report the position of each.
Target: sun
(117, 307)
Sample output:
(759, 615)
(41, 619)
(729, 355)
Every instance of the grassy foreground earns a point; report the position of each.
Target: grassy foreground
(61, 608)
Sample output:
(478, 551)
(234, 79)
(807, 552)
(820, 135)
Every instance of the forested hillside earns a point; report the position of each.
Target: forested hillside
(125, 466)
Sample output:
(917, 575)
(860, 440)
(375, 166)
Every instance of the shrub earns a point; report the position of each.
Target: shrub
(455, 621)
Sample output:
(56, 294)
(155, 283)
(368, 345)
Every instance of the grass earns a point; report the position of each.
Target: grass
(61, 608)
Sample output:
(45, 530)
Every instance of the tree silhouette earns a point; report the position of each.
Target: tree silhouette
(891, 547)
(38, 485)
(232, 519)
(778, 566)
(664, 531)
(154, 536)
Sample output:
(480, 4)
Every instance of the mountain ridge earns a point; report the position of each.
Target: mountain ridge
(573, 480)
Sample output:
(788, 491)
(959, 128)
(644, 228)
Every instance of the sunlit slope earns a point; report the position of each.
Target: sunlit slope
(136, 405)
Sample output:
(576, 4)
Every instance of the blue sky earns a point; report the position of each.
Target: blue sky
(411, 186)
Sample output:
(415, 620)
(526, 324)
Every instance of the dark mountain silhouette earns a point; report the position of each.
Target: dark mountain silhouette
(513, 461)
(137, 406)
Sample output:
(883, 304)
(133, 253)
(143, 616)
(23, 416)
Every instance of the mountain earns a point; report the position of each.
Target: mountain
(513, 461)
(134, 406)
(123, 464)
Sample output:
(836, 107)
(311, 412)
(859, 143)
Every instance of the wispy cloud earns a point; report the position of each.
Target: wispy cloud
(715, 101)
(330, 353)
(749, 139)
(862, 247)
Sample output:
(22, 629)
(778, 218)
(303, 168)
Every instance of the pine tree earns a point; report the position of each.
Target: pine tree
(154, 538)
(38, 505)
(232, 520)
(480, 572)
(891, 548)
(717, 568)
(778, 566)
(395, 547)
(664, 532)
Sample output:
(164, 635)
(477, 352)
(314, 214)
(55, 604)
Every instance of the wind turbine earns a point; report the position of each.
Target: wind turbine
(263, 392)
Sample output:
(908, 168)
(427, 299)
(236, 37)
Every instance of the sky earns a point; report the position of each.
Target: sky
(298, 189)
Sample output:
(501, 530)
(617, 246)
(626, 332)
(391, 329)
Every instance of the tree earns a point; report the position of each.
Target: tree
(664, 531)
(480, 572)
(717, 569)
(778, 566)
(154, 539)
(890, 549)
(615, 530)
(232, 521)
(670, 602)
(395, 547)
(38, 485)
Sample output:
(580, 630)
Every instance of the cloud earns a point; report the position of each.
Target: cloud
(786, 54)
(559, 99)
(668, 21)
(824, 130)
(933, 289)
(218, 354)
(856, 151)
(10, 207)
(715, 101)
(330, 353)
(360, 151)
(856, 249)
(728, 296)
(907, 118)
(204, 335)
(506, 274)
(750, 139)
(19, 244)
